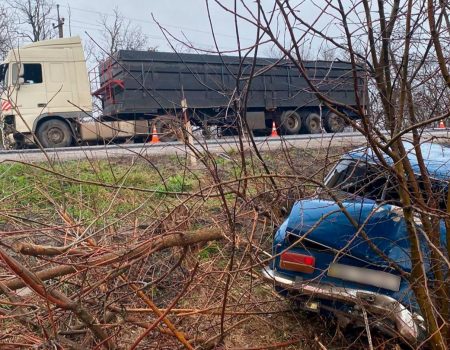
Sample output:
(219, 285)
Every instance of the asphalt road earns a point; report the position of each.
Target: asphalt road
(176, 148)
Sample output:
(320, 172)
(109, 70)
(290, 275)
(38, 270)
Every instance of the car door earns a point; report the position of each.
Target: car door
(30, 96)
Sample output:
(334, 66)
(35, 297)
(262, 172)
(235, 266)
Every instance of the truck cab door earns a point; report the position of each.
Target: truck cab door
(30, 96)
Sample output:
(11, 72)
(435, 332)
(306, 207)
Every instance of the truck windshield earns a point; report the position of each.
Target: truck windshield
(3, 75)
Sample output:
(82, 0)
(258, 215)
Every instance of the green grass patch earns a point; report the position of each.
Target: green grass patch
(86, 190)
(210, 250)
(176, 183)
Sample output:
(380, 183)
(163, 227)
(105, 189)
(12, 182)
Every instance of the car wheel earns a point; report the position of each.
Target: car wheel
(291, 123)
(54, 133)
(169, 128)
(334, 123)
(313, 124)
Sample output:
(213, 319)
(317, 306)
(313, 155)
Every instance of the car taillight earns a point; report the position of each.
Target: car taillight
(297, 262)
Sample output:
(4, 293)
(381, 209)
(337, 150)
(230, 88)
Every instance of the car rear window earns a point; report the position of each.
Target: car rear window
(362, 179)
(372, 181)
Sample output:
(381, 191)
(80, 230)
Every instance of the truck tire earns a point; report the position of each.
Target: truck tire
(169, 128)
(313, 124)
(334, 123)
(291, 123)
(54, 133)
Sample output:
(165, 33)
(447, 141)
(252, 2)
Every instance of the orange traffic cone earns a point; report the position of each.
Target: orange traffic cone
(441, 125)
(155, 137)
(274, 130)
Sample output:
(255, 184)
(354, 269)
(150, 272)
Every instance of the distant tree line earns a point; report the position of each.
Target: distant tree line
(25, 21)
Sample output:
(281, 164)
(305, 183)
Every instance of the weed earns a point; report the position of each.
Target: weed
(175, 183)
(207, 252)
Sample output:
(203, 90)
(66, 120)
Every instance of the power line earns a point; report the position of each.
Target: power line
(150, 22)
(100, 29)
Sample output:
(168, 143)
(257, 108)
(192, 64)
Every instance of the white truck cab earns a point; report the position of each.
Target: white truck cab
(45, 89)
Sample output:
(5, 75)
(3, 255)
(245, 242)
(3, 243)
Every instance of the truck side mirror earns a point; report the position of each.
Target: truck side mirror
(19, 81)
(17, 74)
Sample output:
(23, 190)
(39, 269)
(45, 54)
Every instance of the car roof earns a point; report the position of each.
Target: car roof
(436, 157)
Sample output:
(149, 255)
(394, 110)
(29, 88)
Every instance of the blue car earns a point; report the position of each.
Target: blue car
(328, 252)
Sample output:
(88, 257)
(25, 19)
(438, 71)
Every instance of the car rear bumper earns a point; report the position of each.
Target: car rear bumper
(408, 324)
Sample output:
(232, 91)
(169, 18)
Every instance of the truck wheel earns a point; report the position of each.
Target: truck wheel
(313, 124)
(334, 123)
(291, 123)
(169, 128)
(54, 133)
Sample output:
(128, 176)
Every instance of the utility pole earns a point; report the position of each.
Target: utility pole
(60, 23)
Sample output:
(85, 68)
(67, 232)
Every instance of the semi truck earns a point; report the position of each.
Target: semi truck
(47, 95)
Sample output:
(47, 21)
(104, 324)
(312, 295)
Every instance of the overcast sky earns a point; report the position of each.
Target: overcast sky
(181, 17)
(188, 20)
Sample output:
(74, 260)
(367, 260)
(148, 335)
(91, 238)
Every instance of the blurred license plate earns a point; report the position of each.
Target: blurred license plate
(366, 276)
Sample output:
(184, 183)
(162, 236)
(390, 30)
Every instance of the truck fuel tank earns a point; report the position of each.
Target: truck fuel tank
(107, 130)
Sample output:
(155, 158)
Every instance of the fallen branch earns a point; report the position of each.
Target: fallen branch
(36, 250)
(156, 244)
(57, 298)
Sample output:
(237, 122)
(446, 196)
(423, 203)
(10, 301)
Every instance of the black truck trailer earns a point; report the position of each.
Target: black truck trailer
(144, 85)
